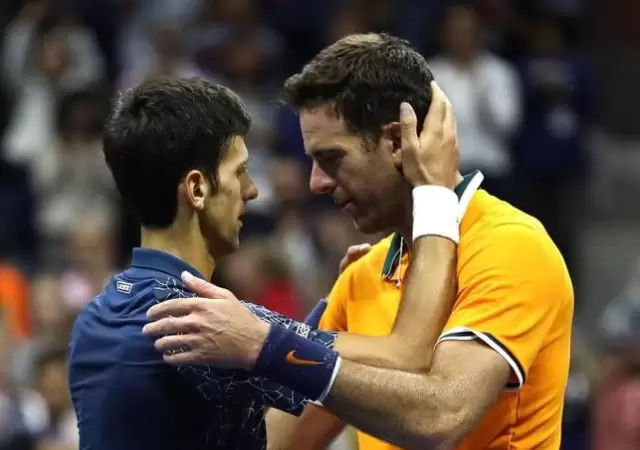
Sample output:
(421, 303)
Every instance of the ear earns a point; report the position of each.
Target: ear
(196, 189)
(393, 133)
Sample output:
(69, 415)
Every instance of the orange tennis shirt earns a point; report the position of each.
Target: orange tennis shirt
(514, 295)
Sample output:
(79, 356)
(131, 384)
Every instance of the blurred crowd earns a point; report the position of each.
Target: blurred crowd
(528, 98)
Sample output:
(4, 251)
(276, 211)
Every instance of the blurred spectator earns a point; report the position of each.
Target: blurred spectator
(260, 274)
(248, 70)
(92, 260)
(165, 57)
(616, 416)
(14, 302)
(70, 177)
(51, 317)
(220, 22)
(20, 409)
(60, 430)
(293, 232)
(50, 324)
(345, 21)
(140, 22)
(17, 226)
(41, 63)
(485, 95)
(616, 422)
(551, 158)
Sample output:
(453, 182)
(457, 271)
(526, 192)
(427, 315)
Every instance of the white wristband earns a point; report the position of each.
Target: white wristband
(336, 368)
(435, 213)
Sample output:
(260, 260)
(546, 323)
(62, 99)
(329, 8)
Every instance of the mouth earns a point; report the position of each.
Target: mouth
(347, 206)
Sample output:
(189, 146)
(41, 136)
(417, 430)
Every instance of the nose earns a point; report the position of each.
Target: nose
(251, 190)
(320, 182)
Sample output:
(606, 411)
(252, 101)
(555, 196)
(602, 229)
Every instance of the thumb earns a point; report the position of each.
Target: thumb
(201, 287)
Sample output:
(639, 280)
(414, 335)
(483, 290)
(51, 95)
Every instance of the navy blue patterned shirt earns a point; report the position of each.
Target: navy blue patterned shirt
(127, 398)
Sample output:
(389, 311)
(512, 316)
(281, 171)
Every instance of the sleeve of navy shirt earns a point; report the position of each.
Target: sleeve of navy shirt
(207, 380)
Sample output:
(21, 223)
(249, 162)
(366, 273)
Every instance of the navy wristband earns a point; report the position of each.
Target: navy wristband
(295, 362)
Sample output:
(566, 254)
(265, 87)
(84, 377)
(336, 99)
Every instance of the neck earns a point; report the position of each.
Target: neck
(406, 230)
(189, 247)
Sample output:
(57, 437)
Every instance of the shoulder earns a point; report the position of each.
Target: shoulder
(506, 246)
(167, 288)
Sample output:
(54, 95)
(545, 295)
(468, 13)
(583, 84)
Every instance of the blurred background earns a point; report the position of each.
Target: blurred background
(545, 93)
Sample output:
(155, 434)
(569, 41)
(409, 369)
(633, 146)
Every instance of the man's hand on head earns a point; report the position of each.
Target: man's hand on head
(215, 329)
(432, 157)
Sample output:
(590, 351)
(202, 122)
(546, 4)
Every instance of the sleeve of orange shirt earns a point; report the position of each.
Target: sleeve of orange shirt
(512, 283)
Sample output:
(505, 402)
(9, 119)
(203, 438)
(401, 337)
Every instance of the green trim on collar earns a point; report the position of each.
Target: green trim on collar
(396, 250)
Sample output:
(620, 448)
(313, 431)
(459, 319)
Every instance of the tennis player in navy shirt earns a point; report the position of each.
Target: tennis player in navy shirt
(177, 154)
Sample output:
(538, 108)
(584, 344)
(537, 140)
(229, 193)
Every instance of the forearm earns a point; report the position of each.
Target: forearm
(409, 410)
(426, 304)
(313, 430)
(427, 299)
(377, 351)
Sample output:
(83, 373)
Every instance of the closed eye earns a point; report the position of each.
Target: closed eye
(243, 169)
(329, 160)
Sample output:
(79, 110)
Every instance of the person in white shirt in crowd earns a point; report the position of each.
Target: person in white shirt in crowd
(40, 64)
(485, 93)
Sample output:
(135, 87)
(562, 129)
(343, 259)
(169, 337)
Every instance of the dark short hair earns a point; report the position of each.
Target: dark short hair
(364, 77)
(161, 129)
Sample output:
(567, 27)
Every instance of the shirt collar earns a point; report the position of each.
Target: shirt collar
(465, 190)
(146, 258)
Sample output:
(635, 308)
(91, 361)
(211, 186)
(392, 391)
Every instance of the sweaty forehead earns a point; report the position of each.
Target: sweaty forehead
(323, 129)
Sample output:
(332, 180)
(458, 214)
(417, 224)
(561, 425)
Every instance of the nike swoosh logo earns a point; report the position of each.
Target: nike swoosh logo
(292, 359)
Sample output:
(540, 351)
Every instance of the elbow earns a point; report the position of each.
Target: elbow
(444, 432)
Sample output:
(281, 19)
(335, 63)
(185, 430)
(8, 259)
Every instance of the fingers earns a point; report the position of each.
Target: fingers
(170, 325)
(176, 307)
(354, 253)
(181, 358)
(203, 288)
(359, 250)
(409, 123)
(438, 110)
(177, 343)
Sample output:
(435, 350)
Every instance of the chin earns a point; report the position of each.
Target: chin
(366, 225)
(223, 247)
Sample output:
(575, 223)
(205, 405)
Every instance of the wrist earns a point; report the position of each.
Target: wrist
(297, 363)
(259, 338)
(431, 180)
(435, 212)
